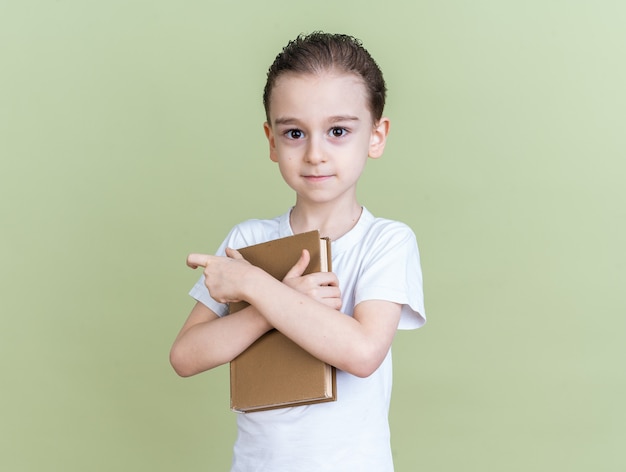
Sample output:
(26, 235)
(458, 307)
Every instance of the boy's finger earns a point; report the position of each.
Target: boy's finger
(197, 260)
(233, 253)
(327, 279)
(299, 267)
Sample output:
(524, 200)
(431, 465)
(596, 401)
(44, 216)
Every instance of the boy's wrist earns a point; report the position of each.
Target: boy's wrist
(262, 288)
(254, 283)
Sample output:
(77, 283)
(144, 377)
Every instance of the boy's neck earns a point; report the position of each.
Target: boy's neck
(332, 222)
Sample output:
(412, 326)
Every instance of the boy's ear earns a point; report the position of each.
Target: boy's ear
(269, 134)
(379, 138)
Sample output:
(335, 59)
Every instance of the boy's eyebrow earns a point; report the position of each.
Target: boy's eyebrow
(285, 121)
(333, 119)
(336, 119)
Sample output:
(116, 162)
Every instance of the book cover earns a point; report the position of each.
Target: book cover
(274, 372)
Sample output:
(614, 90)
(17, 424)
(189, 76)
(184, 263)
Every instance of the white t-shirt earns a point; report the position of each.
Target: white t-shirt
(377, 259)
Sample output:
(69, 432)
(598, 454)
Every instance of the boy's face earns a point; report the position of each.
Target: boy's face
(321, 133)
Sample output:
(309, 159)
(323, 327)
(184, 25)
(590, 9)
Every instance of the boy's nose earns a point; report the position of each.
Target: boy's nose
(314, 152)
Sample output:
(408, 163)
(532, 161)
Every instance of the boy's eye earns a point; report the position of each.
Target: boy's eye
(338, 132)
(294, 134)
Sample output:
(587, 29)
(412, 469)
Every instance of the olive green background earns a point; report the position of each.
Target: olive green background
(130, 135)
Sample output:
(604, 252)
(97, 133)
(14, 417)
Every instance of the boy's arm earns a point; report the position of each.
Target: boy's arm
(356, 344)
(207, 340)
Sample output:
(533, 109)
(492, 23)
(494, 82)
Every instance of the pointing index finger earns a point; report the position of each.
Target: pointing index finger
(197, 260)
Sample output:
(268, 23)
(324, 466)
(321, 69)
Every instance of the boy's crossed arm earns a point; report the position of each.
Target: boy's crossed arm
(206, 340)
(304, 308)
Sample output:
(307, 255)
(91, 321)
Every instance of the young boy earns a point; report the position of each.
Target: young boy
(324, 100)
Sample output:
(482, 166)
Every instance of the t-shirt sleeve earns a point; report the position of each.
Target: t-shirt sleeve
(392, 271)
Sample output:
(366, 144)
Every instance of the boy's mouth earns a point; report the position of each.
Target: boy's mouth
(316, 178)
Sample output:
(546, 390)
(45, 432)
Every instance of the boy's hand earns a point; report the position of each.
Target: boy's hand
(224, 276)
(321, 286)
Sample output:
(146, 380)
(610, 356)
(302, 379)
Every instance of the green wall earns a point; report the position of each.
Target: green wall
(130, 135)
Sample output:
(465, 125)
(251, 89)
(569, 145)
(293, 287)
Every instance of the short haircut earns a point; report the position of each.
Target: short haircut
(320, 52)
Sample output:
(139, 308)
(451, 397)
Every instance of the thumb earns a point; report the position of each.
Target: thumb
(233, 253)
(299, 267)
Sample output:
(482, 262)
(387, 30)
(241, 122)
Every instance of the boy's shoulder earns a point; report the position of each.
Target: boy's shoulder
(385, 227)
(257, 230)
(253, 224)
(372, 234)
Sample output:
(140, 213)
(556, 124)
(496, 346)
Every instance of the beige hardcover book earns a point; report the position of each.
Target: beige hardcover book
(274, 372)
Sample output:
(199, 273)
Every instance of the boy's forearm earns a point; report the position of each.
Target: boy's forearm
(326, 333)
(209, 344)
